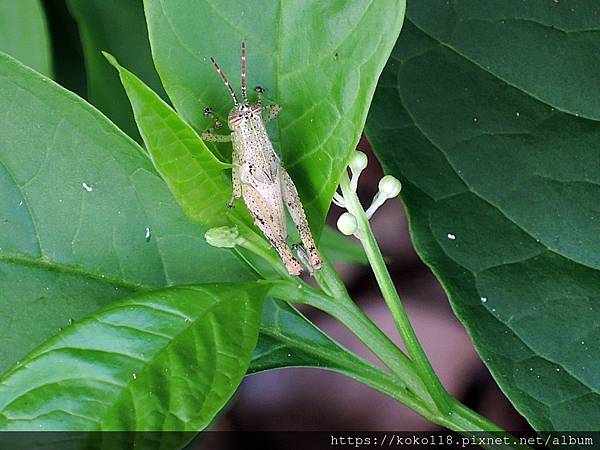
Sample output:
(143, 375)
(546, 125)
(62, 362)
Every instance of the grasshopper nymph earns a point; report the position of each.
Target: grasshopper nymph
(258, 175)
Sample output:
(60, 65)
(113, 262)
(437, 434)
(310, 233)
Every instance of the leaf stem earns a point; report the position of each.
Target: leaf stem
(392, 299)
(402, 384)
(411, 381)
(457, 417)
(344, 310)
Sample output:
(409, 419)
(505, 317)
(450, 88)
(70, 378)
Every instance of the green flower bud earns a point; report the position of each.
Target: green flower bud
(359, 162)
(347, 224)
(390, 186)
(223, 237)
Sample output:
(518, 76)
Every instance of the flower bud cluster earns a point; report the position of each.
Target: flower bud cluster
(389, 187)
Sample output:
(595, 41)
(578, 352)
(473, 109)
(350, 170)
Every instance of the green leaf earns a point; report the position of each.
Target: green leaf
(338, 247)
(502, 184)
(118, 27)
(24, 34)
(194, 175)
(541, 48)
(166, 360)
(66, 252)
(319, 60)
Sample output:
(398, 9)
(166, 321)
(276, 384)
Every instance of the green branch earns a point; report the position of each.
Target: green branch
(392, 299)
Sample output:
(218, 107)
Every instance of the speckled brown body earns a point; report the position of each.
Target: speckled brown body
(259, 177)
(258, 166)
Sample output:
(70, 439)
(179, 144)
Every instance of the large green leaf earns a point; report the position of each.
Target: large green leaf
(24, 35)
(118, 27)
(40, 295)
(319, 60)
(166, 360)
(84, 219)
(476, 113)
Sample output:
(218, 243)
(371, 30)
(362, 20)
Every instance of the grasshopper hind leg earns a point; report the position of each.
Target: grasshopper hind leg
(272, 227)
(294, 206)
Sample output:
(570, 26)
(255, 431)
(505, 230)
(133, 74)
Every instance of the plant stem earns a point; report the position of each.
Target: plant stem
(458, 417)
(392, 299)
(344, 310)
(465, 419)
(403, 384)
(412, 381)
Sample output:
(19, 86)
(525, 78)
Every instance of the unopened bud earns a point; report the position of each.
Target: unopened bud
(390, 186)
(358, 162)
(223, 237)
(347, 224)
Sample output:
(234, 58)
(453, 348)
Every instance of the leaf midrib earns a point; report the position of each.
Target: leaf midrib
(126, 389)
(41, 263)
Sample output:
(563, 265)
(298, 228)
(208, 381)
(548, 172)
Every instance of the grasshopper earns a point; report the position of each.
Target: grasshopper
(258, 175)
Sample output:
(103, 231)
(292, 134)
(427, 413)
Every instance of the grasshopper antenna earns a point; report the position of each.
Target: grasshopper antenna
(244, 94)
(224, 78)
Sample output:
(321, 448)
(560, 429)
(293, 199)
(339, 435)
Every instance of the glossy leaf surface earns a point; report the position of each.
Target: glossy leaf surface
(165, 360)
(24, 34)
(84, 219)
(502, 176)
(194, 175)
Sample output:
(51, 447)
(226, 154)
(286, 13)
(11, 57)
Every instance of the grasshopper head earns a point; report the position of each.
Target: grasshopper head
(242, 113)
